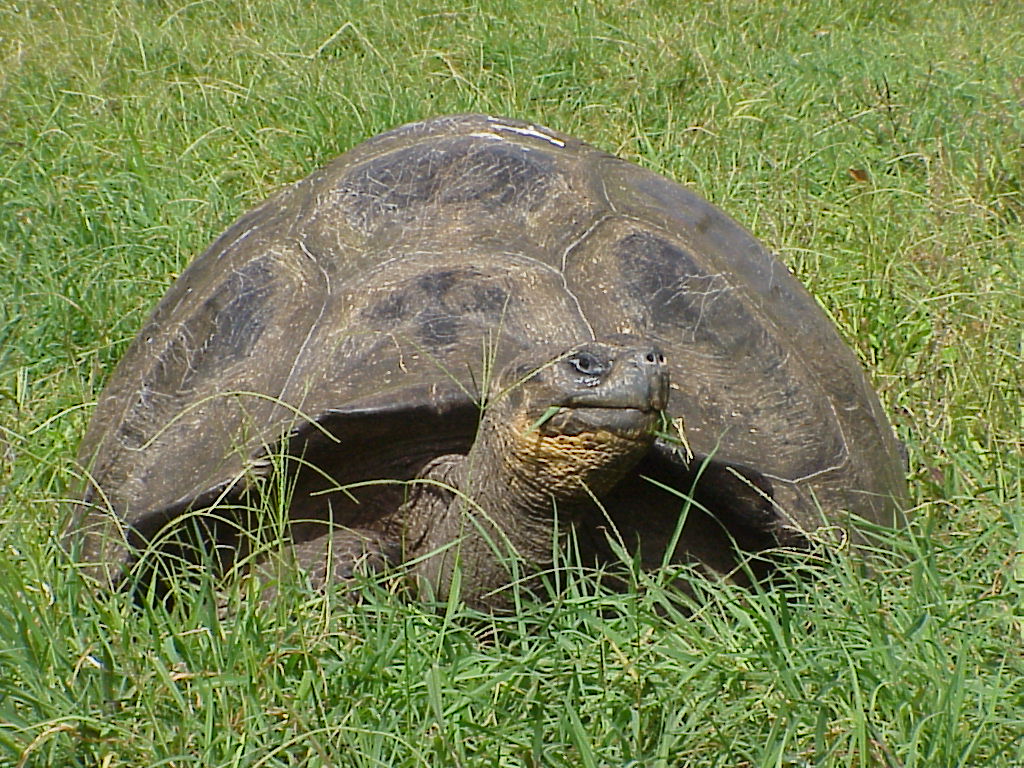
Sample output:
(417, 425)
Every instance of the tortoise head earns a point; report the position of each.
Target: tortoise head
(571, 425)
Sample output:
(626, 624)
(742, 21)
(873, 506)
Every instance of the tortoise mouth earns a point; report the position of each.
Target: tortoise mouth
(634, 422)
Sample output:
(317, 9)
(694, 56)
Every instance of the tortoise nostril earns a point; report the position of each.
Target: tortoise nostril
(650, 357)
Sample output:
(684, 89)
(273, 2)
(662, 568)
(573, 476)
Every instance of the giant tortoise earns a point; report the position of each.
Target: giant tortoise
(511, 320)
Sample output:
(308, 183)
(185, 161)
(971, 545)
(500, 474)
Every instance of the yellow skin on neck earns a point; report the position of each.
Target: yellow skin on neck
(567, 467)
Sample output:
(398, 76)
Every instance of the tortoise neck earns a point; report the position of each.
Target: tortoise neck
(513, 497)
(494, 528)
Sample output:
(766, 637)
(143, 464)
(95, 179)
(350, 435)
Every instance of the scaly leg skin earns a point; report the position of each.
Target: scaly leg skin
(341, 557)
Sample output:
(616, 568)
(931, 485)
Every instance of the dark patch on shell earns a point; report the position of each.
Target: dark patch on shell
(391, 307)
(437, 284)
(488, 174)
(667, 282)
(223, 330)
(438, 303)
(238, 312)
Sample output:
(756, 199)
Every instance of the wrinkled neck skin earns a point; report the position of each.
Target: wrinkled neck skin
(518, 490)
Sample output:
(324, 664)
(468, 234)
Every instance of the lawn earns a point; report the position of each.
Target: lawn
(878, 148)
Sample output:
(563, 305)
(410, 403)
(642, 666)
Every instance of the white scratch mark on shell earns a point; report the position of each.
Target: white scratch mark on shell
(531, 130)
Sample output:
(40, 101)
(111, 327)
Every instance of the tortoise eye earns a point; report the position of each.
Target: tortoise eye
(586, 363)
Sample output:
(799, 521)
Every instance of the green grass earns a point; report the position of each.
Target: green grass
(877, 147)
